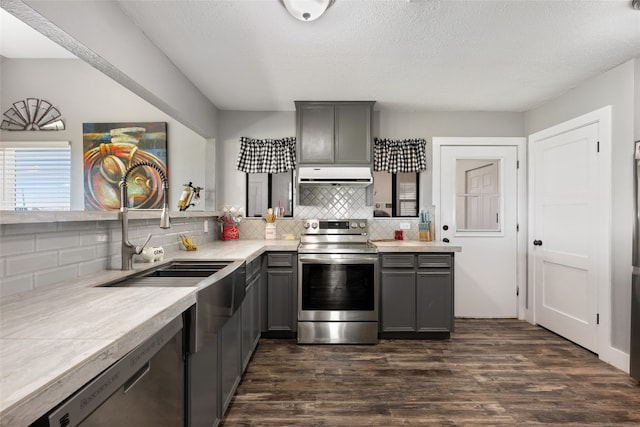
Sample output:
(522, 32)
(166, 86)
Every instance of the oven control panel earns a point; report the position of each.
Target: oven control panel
(335, 226)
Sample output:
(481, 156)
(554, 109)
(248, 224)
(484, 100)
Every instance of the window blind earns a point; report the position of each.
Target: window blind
(35, 175)
(407, 198)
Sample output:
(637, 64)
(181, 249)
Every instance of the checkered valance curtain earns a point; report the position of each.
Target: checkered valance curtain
(266, 155)
(407, 155)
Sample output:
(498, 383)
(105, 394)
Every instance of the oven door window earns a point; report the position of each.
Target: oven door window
(338, 287)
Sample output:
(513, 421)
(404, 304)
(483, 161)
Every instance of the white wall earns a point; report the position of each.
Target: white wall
(614, 88)
(386, 124)
(83, 94)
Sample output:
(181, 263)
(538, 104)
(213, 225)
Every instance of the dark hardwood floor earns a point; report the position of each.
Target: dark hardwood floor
(491, 372)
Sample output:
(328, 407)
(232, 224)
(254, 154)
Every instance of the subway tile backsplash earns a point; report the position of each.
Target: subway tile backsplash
(331, 203)
(254, 228)
(40, 254)
(384, 228)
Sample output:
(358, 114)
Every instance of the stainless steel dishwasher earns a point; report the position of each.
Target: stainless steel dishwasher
(144, 388)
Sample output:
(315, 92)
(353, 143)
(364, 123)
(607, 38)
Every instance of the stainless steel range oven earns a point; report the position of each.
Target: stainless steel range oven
(337, 283)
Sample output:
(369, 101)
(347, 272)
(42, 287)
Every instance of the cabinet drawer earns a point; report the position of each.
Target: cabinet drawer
(280, 259)
(434, 261)
(398, 261)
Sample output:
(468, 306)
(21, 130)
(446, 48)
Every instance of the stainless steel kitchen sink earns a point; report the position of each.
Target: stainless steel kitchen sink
(221, 290)
(187, 269)
(173, 274)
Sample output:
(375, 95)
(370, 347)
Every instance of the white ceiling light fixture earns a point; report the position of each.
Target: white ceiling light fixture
(307, 10)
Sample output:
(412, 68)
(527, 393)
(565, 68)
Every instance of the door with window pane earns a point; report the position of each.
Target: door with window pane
(477, 195)
(478, 190)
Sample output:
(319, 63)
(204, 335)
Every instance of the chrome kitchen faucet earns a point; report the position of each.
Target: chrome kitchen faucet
(129, 250)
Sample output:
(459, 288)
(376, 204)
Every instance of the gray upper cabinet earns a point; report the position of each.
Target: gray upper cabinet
(315, 132)
(353, 133)
(335, 133)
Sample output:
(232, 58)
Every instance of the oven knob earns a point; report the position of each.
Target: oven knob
(354, 225)
(305, 225)
(363, 225)
(314, 225)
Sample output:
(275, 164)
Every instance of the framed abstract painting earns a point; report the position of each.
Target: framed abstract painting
(109, 150)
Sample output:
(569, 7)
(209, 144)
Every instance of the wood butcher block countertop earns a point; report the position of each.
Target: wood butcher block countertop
(55, 339)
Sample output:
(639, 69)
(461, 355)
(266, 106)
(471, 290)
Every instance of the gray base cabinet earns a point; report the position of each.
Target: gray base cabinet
(398, 299)
(281, 295)
(433, 302)
(203, 398)
(416, 295)
(230, 363)
(251, 312)
(238, 338)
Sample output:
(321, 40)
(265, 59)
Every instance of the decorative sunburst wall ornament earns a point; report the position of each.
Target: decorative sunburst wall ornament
(32, 114)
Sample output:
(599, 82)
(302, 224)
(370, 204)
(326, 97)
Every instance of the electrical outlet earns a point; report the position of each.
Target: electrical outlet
(405, 226)
(206, 226)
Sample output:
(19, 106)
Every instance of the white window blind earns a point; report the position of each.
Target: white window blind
(407, 195)
(35, 175)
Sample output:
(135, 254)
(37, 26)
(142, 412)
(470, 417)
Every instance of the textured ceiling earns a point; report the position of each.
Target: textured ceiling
(438, 55)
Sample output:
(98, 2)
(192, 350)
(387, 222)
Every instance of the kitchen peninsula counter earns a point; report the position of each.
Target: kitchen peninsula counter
(55, 339)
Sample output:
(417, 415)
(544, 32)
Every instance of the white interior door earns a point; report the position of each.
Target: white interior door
(565, 249)
(478, 197)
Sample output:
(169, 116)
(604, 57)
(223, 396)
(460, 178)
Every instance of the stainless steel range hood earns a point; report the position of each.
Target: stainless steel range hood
(345, 176)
